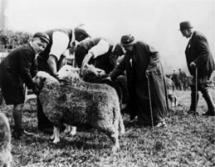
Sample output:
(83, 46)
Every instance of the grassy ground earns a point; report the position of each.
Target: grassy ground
(186, 141)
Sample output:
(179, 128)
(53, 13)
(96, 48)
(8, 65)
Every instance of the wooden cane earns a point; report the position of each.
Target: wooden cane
(150, 101)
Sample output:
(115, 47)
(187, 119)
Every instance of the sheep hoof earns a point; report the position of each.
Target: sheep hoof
(56, 141)
(52, 137)
(73, 131)
(115, 148)
(122, 132)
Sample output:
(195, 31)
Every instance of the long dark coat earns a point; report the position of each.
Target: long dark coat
(197, 50)
(17, 68)
(136, 63)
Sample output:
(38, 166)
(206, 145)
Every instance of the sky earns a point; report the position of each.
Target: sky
(155, 22)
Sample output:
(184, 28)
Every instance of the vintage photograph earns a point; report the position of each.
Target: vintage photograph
(107, 83)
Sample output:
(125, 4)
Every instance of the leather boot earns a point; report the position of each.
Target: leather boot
(18, 131)
(194, 102)
(210, 103)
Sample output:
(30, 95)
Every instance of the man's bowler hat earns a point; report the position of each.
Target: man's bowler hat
(185, 25)
(127, 39)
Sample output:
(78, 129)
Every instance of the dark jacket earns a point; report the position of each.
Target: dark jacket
(17, 68)
(144, 58)
(198, 50)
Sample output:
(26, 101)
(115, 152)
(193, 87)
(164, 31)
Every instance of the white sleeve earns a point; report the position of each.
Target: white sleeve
(101, 48)
(60, 43)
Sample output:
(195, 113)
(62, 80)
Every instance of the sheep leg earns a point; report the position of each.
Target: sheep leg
(56, 133)
(73, 131)
(115, 138)
(111, 131)
(121, 125)
(67, 129)
(7, 158)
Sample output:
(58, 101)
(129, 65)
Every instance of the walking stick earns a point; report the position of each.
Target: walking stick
(150, 101)
(196, 89)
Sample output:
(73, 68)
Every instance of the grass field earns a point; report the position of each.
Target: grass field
(185, 142)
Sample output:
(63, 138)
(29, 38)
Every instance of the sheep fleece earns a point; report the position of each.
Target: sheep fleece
(79, 102)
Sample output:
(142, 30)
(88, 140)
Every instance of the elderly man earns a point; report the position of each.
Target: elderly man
(53, 58)
(145, 82)
(17, 69)
(200, 63)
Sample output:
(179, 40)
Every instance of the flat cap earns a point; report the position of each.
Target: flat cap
(43, 36)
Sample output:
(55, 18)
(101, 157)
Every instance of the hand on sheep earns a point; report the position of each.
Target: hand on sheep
(100, 73)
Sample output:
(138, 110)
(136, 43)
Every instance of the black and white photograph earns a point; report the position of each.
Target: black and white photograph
(107, 83)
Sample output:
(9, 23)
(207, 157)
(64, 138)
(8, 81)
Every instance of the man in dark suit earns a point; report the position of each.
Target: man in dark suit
(199, 61)
(17, 69)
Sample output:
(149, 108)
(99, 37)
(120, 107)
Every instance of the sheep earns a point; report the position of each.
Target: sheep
(68, 70)
(5, 142)
(79, 103)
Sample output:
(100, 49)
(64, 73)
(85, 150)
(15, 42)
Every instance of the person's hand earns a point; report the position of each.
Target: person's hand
(101, 73)
(192, 65)
(108, 78)
(56, 76)
(148, 71)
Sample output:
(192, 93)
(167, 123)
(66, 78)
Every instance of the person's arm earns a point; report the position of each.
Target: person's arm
(87, 58)
(101, 48)
(34, 68)
(60, 42)
(52, 62)
(25, 64)
(119, 69)
(153, 57)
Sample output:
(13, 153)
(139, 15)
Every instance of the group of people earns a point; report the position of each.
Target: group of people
(180, 79)
(133, 66)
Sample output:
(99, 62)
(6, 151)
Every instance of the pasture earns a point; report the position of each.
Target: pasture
(187, 141)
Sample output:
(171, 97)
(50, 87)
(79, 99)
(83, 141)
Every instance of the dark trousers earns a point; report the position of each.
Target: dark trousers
(203, 84)
(43, 121)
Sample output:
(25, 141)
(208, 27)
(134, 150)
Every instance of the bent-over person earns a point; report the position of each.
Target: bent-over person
(142, 64)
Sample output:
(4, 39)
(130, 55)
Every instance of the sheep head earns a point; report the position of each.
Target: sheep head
(42, 78)
(67, 71)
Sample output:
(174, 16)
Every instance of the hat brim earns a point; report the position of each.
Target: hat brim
(185, 28)
(131, 43)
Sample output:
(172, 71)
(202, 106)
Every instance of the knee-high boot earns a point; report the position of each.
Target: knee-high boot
(210, 103)
(194, 100)
(17, 116)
